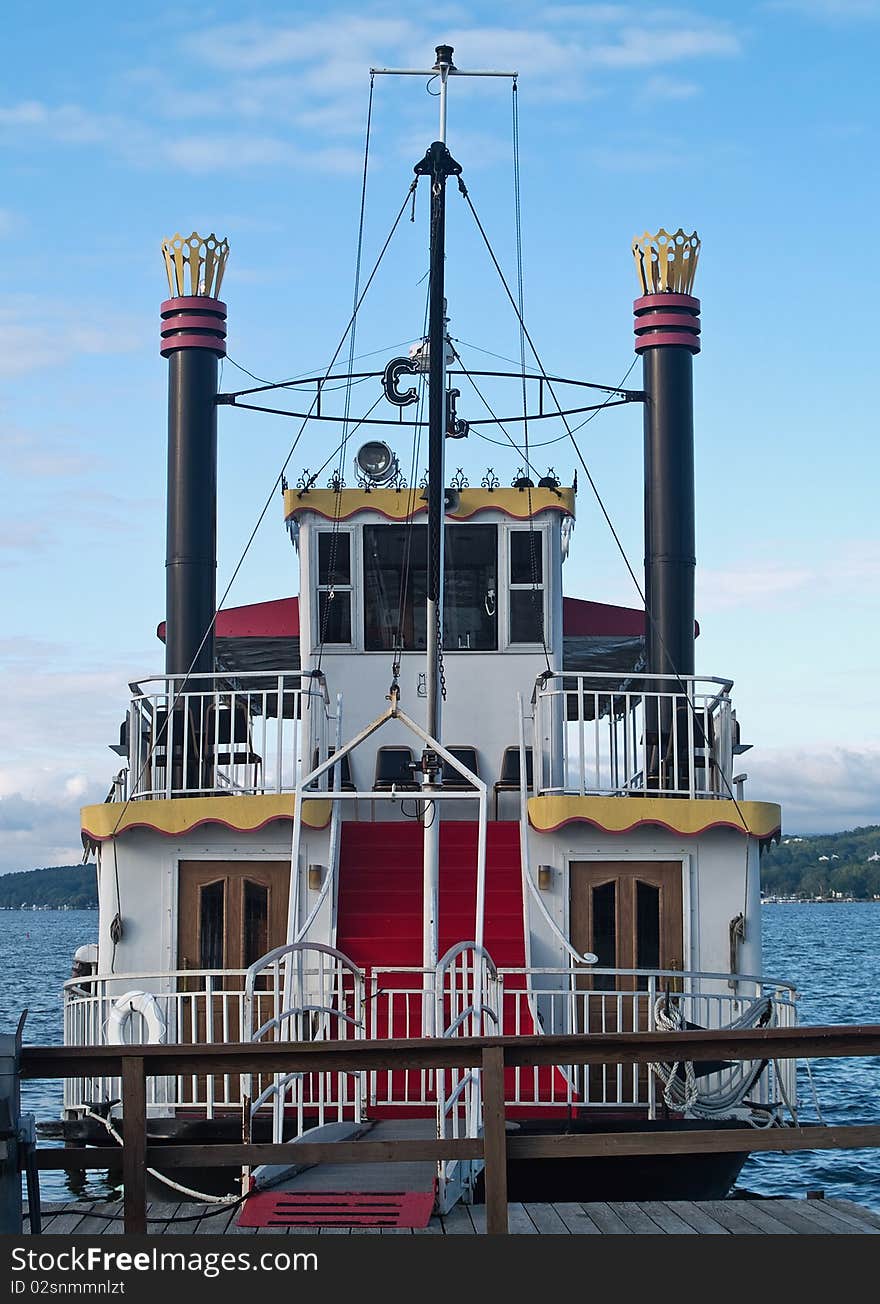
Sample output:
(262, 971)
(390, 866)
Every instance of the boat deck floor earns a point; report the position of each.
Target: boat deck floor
(773, 1217)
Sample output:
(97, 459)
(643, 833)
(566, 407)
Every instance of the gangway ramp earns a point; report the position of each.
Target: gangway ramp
(347, 1194)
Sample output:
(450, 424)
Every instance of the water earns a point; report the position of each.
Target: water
(829, 951)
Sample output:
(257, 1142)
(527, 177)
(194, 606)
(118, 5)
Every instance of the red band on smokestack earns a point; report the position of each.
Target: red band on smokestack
(667, 319)
(193, 322)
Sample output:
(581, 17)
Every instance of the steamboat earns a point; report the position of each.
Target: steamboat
(431, 795)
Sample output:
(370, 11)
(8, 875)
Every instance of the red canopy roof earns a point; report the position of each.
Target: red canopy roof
(276, 619)
(280, 619)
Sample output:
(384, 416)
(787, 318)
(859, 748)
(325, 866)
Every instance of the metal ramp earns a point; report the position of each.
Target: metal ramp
(347, 1195)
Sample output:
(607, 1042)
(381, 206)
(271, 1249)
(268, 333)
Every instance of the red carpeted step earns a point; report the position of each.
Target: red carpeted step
(380, 916)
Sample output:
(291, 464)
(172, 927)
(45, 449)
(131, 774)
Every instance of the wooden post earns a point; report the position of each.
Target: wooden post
(134, 1150)
(494, 1141)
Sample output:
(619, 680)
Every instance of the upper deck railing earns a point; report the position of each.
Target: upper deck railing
(223, 734)
(665, 736)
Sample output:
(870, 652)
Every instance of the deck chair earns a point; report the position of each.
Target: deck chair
(509, 780)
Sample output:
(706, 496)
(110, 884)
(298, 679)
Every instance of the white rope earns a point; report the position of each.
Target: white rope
(725, 1100)
(160, 1177)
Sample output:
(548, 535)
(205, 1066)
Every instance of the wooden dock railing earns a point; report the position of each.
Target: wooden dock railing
(492, 1055)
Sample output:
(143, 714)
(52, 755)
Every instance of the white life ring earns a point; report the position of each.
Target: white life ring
(142, 1003)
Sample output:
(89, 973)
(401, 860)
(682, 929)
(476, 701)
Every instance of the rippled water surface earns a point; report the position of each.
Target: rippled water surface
(831, 952)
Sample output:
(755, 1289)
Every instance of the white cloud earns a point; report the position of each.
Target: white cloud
(310, 77)
(35, 334)
(852, 567)
(650, 47)
(821, 790)
(36, 833)
(68, 123)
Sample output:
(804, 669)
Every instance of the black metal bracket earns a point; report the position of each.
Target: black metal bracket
(438, 162)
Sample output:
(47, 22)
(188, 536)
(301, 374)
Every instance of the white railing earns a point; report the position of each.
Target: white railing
(467, 996)
(219, 734)
(197, 1008)
(666, 735)
(317, 994)
(187, 1008)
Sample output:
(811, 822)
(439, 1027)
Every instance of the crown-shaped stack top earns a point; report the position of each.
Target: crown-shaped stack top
(666, 263)
(195, 264)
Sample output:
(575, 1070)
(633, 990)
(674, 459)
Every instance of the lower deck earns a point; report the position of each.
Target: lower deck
(735, 1217)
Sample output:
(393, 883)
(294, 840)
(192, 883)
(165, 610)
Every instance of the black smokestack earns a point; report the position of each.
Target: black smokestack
(193, 340)
(667, 330)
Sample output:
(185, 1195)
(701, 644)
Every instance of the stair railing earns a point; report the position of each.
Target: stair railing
(304, 992)
(468, 1001)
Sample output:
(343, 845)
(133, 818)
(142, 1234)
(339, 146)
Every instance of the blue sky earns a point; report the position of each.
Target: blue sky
(756, 124)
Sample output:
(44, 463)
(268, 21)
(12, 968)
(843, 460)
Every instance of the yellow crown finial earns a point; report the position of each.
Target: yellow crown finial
(666, 263)
(195, 264)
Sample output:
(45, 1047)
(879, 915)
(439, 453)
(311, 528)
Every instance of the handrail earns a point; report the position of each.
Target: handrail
(525, 859)
(491, 1055)
(618, 678)
(230, 677)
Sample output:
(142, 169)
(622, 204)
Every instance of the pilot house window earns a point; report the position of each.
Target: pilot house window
(334, 586)
(396, 587)
(526, 586)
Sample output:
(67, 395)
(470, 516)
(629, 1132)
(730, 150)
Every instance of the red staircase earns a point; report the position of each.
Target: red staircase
(380, 892)
(380, 922)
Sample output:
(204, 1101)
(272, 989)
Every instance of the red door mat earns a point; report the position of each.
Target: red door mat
(338, 1209)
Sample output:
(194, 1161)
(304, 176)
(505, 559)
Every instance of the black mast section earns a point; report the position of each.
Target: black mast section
(438, 164)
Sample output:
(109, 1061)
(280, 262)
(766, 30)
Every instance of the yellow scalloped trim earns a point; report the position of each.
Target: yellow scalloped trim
(178, 815)
(400, 506)
(678, 814)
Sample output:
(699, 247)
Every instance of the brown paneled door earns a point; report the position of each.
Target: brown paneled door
(629, 914)
(229, 913)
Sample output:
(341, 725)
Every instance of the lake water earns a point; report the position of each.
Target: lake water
(829, 951)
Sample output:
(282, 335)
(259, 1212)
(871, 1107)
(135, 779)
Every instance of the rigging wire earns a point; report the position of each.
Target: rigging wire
(301, 375)
(184, 680)
(592, 483)
(338, 478)
(534, 540)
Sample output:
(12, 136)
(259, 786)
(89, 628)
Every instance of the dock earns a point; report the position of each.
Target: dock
(758, 1217)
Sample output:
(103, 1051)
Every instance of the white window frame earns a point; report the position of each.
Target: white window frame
(505, 641)
(350, 588)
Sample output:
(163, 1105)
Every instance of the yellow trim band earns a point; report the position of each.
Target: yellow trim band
(678, 814)
(401, 505)
(179, 815)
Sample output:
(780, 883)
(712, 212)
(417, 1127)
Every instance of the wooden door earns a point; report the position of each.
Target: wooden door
(230, 913)
(629, 914)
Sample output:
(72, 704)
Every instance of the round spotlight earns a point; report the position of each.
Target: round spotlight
(376, 462)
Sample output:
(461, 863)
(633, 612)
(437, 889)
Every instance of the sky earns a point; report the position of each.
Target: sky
(754, 124)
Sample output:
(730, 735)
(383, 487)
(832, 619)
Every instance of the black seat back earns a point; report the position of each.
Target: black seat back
(450, 777)
(510, 767)
(393, 768)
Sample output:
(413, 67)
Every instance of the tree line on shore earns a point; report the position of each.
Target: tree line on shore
(824, 865)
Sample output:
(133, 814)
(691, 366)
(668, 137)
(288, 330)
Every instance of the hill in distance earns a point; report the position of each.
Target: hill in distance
(825, 865)
(53, 888)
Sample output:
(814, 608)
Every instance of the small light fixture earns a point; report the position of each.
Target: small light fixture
(376, 462)
(545, 877)
(316, 877)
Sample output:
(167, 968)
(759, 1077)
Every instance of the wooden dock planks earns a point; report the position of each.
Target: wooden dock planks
(770, 1217)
